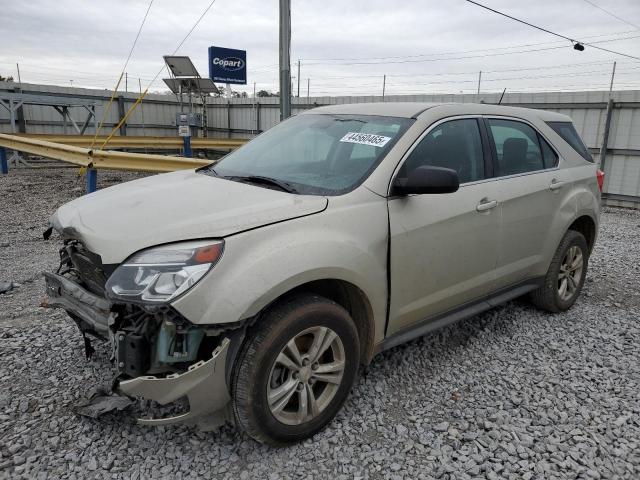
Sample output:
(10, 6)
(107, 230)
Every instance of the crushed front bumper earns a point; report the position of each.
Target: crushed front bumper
(204, 382)
(91, 309)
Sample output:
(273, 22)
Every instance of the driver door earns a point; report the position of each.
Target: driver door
(444, 247)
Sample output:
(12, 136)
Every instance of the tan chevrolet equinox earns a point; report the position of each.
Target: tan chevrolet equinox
(256, 286)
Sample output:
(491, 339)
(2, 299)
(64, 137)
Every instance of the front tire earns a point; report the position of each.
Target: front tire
(295, 370)
(566, 275)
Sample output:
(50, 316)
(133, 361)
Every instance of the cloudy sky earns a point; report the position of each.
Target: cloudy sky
(345, 47)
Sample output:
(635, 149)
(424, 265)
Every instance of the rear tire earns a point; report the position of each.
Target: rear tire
(566, 274)
(295, 370)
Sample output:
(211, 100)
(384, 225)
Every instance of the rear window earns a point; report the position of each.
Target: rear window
(568, 132)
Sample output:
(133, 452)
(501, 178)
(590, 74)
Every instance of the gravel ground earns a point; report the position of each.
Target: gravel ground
(514, 393)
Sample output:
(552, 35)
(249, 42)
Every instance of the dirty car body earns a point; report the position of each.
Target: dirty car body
(181, 272)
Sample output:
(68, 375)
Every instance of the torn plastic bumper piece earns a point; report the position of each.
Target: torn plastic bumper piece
(91, 309)
(203, 384)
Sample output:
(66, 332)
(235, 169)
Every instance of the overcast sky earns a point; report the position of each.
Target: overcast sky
(345, 47)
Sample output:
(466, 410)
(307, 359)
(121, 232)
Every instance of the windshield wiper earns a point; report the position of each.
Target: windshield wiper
(282, 185)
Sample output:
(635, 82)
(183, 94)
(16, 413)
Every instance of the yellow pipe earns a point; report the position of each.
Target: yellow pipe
(124, 119)
(106, 111)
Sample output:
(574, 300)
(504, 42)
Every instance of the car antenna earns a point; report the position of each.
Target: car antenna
(502, 96)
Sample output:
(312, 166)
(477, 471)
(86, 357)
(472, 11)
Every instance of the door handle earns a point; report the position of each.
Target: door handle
(556, 185)
(486, 204)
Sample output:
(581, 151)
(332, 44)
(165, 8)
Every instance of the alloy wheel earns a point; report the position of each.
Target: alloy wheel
(570, 273)
(306, 375)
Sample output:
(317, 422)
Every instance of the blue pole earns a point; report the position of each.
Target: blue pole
(4, 166)
(187, 146)
(92, 179)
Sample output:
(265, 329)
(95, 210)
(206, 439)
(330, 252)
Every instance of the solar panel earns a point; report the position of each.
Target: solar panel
(204, 85)
(181, 66)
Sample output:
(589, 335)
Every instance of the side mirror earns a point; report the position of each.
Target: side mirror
(427, 179)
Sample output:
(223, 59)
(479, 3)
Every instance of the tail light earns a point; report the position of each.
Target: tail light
(600, 177)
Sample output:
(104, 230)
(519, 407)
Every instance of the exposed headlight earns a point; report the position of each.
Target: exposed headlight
(160, 274)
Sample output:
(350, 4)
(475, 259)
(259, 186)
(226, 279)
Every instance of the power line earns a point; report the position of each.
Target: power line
(135, 41)
(637, 27)
(457, 52)
(522, 21)
(427, 60)
(206, 10)
(575, 42)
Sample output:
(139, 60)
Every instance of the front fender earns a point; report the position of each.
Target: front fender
(346, 243)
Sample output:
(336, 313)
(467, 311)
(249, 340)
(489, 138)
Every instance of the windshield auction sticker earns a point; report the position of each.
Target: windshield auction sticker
(366, 139)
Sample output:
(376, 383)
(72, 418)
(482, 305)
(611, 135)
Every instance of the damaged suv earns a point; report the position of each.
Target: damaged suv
(256, 286)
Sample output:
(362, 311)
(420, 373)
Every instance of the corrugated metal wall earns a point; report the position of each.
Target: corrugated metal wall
(244, 117)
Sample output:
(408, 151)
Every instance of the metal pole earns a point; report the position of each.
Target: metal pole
(285, 61)
(613, 74)
(298, 78)
(308, 82)
(18, 68)
(253, 106)
(384, 85)
(92, 180)
(479, 80)
(605, 136)
(4, 165)
(141, 107)
(229, 118)
(12, 116)
(186, 141)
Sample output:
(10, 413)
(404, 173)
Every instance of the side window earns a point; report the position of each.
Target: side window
(455, 144)
(517, 147)
(549, 157)
(568, 133)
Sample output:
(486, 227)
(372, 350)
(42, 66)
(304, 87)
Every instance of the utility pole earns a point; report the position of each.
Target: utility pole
(285, 61)
(613, 74)
(142, 110)
(384, 85)
(479, 80)
(254, 111)
(18, 68)
(298, 78)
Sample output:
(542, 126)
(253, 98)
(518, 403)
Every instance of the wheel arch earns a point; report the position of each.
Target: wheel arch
(351, 298)
(585, 225)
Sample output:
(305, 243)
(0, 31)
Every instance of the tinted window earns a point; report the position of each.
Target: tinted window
(568, 132)
(549, 157)
(517, 147)
(456, 145)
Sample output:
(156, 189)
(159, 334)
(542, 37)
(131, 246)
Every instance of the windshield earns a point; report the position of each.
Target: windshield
(315, 154)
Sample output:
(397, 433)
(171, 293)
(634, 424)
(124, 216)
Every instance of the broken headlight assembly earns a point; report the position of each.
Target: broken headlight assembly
(161, 274)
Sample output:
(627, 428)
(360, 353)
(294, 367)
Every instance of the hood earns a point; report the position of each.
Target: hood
(121, 220)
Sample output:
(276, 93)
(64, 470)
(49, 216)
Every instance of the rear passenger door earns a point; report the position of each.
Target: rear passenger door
(530, 187)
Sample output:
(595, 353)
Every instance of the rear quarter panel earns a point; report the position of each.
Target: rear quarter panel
(582, 198)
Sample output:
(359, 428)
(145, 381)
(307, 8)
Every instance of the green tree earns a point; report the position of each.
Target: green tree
(6, 79)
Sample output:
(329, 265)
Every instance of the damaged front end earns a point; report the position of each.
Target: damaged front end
(158, 354)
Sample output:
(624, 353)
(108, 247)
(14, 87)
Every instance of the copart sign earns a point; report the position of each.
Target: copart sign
(228, 65)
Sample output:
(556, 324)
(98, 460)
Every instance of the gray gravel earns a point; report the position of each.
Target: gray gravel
(514, 393)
